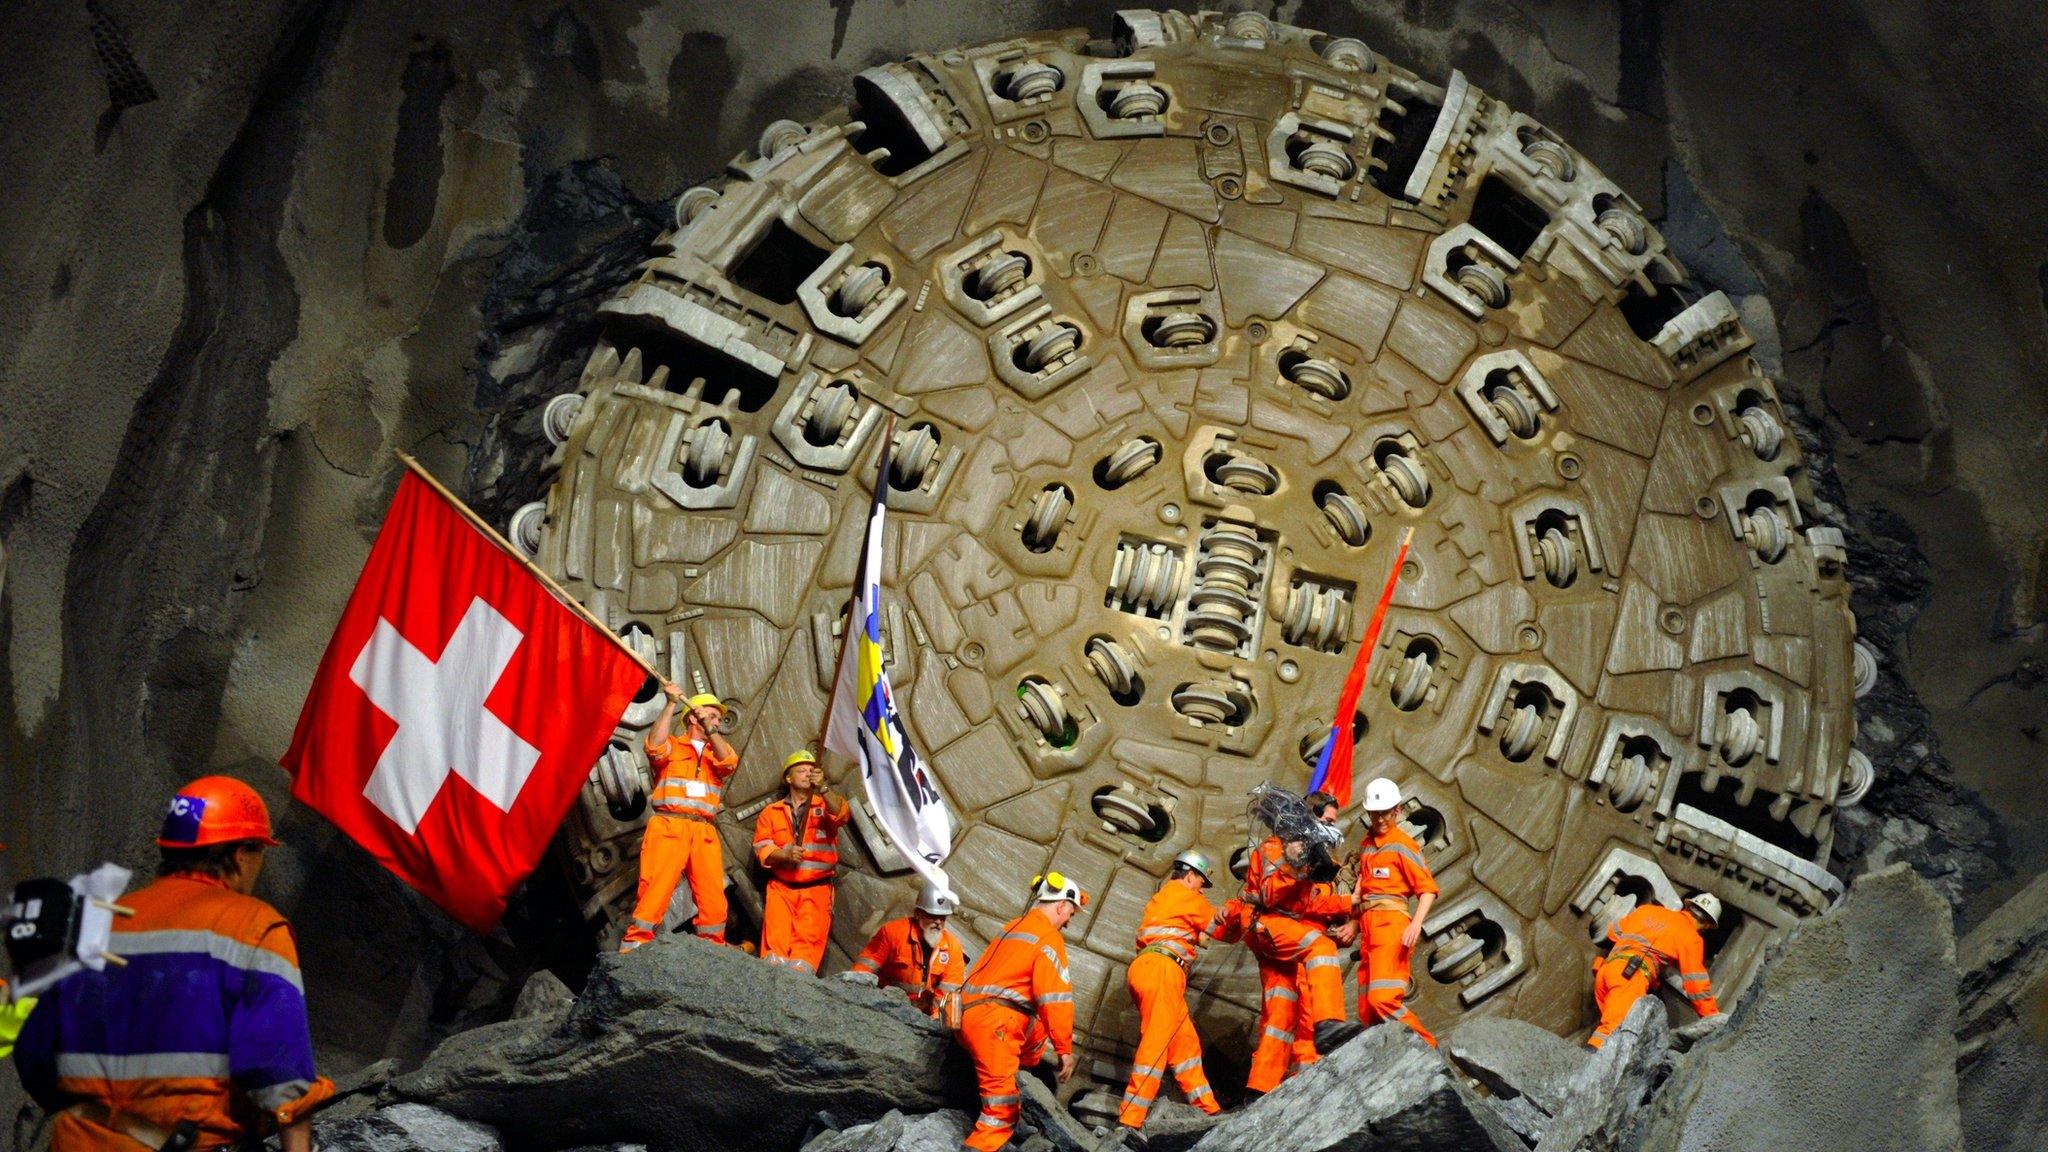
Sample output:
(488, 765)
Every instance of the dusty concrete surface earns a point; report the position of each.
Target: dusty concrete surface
(232, 288)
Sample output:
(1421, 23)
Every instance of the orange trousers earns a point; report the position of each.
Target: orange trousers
(795, 922)
(1616, 994)
(1383, 970)
(1001, 1040)
(673, 849)
(1166, 1040)
(1301, 985)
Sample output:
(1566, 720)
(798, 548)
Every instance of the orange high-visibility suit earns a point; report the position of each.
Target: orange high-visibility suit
(1390, 870)
(1301, 980)
(900, 958)
(680, 842)
(1170, 933)
(1018, 1010)
(1646, 941)
(796, 915)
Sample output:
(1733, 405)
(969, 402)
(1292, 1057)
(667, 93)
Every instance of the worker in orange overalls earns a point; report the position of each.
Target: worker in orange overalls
(918, 953)
(1018, 1007)
(1647, 941)
(1294, 919)
(199, 1038)
(1170, 933)
(681, 843)
(1390, 870)
(797, 839)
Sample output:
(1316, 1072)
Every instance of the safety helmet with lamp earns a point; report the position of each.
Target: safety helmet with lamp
(1053, 887)
(214, 810)
(933, 902)
(1709, 905)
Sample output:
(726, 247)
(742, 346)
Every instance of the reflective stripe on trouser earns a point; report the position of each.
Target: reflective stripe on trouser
(795, 923)
(1280, 1047)
(1166, 1039)
(1384, 967)
(1616, 994)
(1000, 1041)
(672, 850)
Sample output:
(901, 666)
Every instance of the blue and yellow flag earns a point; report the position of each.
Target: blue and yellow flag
(865, 725)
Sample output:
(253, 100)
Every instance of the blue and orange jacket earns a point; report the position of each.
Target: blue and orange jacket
(206, 1022)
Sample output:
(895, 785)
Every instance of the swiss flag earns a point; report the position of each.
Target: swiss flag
(458, 709)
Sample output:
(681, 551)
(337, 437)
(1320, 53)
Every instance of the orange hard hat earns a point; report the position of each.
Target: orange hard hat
(214, 810)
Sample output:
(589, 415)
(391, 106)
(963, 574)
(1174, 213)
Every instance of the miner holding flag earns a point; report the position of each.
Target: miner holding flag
(864, 723)
(459, 706)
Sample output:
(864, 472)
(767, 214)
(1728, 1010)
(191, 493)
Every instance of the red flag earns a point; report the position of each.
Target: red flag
(457, 712)
(1333, 767)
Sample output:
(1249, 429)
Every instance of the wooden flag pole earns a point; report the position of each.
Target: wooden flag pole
(526, 562)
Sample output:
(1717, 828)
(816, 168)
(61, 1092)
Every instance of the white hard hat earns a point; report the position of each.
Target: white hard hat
(1382, 794)
(933, 902)
(1708, 904)
(1053, 887)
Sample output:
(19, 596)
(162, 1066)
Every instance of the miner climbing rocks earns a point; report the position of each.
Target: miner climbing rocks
(200, 1039)
(1018, 1007)
(917, 953)
(797, 839)
(1176, 922)
(1647, 942)
(680, 843)
(1293, 915)
(1391, 871)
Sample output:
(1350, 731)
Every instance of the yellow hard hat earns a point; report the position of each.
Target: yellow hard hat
(706, 700)
(800, 756)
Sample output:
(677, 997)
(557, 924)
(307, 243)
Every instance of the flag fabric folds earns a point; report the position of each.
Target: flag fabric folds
(457, 711)
(1333, 767)
(865, 725)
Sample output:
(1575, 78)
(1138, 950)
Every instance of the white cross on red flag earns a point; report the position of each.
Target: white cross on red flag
(457, 712)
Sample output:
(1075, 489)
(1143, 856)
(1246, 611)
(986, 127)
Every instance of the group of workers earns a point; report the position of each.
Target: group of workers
(198, 1037)
(1014, 1009)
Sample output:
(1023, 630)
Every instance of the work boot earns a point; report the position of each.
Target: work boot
(1332, 1033)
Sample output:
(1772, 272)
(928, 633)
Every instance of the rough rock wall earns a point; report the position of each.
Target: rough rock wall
(251, 248)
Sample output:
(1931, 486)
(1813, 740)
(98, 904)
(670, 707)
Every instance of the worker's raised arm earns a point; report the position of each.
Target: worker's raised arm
(665, 724)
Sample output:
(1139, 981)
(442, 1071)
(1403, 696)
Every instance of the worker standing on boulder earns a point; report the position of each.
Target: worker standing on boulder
(1176, 921)
(1300, 976)
(1647, 942)
(680, 842)
(1018, 1007)
(198, 1039)
(918, 953)
(1390, 871)
(797, 839)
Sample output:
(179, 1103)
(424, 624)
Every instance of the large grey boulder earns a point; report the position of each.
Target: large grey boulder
(1603, 1100)
(1844, 1040)
(1514, 1058)
(895, 1132)
(543, 994)
(688, 1045)
(1386, 1091)
(410, 1128)
(2002, 1066)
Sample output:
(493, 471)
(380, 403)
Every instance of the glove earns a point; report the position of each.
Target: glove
(864, 979)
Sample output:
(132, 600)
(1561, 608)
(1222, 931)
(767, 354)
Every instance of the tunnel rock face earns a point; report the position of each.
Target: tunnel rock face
(1180, 331)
